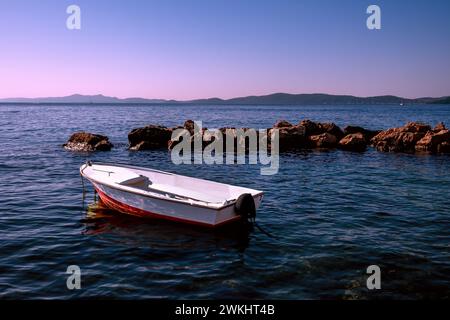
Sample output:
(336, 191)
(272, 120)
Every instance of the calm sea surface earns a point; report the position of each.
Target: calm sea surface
(333, 213)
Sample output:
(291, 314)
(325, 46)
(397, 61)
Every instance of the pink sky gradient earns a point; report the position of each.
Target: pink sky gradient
(161, 50)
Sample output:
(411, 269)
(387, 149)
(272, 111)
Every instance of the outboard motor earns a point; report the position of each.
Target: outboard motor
(245, 207)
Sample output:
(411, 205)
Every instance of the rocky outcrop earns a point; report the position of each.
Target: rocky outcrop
(189, 125)
(171, 143)
(368, 134)
(435, 141)
(323, 140)
(240, 137)
(413, 137)
(401, 139)
(311, 128)
(307, 134)
(282, 124)
(440, 126)
(332, 129)
(317, 128)
(149, 137)
(87, 142)
(444, 147)
(353, 142)
(291, 137)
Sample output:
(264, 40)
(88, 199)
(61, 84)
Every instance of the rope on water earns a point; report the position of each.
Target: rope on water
(267, 233)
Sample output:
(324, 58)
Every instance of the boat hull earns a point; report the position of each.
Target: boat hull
(142, 206)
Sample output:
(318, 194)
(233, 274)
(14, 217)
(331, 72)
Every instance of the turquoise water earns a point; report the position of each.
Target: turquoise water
(334, 213)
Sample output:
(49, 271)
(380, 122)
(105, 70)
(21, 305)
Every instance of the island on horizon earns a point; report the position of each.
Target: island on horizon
(270, 99)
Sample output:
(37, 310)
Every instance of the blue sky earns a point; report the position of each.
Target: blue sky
(204, 48)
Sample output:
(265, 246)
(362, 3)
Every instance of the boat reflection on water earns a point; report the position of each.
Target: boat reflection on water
(101, 220)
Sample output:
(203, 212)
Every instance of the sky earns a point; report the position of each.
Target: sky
(188, 49)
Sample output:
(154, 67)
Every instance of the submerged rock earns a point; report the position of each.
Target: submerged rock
(87, 142)
(149, 137)
(401, 139)
(353, 142)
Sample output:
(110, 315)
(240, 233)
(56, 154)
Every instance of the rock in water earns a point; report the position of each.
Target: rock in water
(417, 127)
(307, 134)
(353, 142)
(332, 129)
(317, 128)
(282, 124)
(444, 147)
(324, 140)
(440, 126)
(189, 125)
(194, 135)
(149, 137)
(103, 145)
(368, 134)
(401, 139)
(311, 128)
(87, 142)
(291, 138)
(435, 141)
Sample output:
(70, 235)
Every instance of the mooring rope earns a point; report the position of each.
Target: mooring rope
(267, 233)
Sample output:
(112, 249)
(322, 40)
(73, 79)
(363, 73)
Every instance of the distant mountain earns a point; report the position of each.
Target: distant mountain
(304, 99)
(271, 99)
(443, 100)
(85, 99)
(320, 99)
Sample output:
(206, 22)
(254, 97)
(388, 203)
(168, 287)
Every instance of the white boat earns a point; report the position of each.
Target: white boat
(152, 193)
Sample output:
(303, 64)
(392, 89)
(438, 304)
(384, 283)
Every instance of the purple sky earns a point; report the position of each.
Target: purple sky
(223, 48)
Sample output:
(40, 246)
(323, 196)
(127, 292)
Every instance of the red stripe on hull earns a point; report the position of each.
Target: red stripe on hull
(124, 208)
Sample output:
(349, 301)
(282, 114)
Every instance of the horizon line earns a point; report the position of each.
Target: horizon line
(220, 98)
